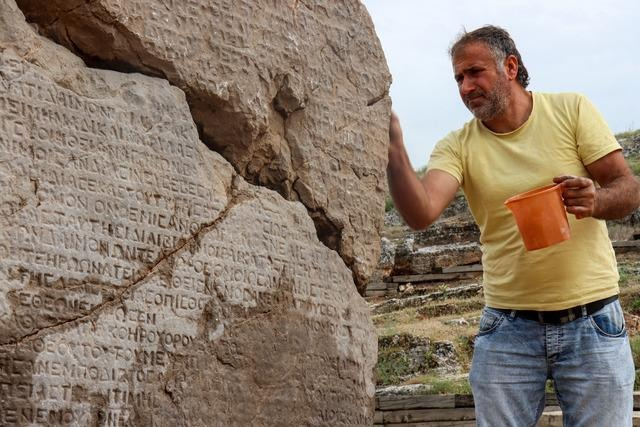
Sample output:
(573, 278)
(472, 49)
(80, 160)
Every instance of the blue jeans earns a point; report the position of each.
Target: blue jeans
(588, 359)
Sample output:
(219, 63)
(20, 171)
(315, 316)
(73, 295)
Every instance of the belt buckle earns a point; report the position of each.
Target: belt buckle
(570, 315)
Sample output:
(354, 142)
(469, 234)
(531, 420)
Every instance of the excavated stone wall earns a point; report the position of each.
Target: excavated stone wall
(143, 280)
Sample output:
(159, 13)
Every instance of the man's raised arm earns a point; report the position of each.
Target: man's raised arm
(420, 202)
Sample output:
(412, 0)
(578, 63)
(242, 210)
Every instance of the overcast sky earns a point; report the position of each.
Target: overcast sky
(587, 46)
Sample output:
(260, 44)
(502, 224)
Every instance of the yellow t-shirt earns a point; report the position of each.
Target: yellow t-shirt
(563, 133)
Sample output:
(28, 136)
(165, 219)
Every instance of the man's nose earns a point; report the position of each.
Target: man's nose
(466, 87)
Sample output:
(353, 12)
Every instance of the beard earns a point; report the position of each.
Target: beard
(495, 101)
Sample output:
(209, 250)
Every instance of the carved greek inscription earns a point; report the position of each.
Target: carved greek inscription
(112, 189)
(115, 187)
(40, 415)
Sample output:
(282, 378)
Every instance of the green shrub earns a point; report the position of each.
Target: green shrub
(388, 204)
(447, 386)
(634, 164)
(624, 274)
(628, 134)
(392, 367)
(634, 306)
(635, 350)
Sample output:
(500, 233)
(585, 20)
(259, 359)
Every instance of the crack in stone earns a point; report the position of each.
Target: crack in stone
(67, 12)
(35, 182)
(126, 290)
(129, 37)
(373, 101)
(21, 205)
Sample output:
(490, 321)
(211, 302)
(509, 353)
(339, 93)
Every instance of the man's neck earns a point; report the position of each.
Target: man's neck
(516, 113)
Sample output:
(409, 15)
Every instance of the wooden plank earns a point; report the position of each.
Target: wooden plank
(553, 418)
(550, 399)
(427, 277)
(440, 410)
(464, 401)
(376, 286)
(426, 401)
(387, 403)
(470, 423)
(550, 419)
(626, 244)
(421, 415)
(369, 293)
(463, 268)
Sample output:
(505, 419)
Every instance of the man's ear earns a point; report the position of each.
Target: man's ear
(511, 67)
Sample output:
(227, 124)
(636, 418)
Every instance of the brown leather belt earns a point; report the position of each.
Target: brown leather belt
(560, 316)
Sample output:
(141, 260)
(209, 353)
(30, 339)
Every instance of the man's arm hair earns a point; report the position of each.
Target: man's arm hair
(617, 197)
(619, 192)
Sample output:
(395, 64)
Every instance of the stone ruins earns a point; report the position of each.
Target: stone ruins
(150, 275)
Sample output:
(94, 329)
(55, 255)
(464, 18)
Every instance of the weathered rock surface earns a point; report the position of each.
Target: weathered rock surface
(631, 145)
(453, 240)
(408, 355)
(435, 258)
(142, 281)
(395, 304)
(448, 231)
(293, 93)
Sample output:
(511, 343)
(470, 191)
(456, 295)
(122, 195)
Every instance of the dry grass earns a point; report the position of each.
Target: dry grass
(410, 321)
(435, 329)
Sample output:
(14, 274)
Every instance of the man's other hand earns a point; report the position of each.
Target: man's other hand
(579, 195)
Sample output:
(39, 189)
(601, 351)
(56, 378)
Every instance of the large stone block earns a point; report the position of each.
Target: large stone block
(431, 259)
(142, 280)
(293, 93)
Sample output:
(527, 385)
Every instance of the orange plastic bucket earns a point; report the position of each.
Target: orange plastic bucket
(541, 216)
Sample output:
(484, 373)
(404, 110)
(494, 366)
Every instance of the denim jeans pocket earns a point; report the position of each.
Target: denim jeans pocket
(490, 321)
(609, 321)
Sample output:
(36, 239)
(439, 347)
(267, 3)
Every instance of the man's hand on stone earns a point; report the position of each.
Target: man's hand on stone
(579, 194)
(395, 131)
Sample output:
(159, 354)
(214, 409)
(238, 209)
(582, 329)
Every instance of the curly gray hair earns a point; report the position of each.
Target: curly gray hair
(499, 43)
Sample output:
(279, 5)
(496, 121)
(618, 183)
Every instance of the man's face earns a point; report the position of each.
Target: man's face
(484, 88)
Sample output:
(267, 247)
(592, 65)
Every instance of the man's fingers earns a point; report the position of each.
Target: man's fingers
(562, 178)
(395, 131)
(578, 192)
(572, 182)
(579, 211)
(577, 183)
(584, 201)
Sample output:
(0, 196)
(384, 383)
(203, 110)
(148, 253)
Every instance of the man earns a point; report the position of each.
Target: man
(551, 313)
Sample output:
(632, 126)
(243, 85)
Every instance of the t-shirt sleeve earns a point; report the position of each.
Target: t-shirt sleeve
(446, 156)
(593, 136)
